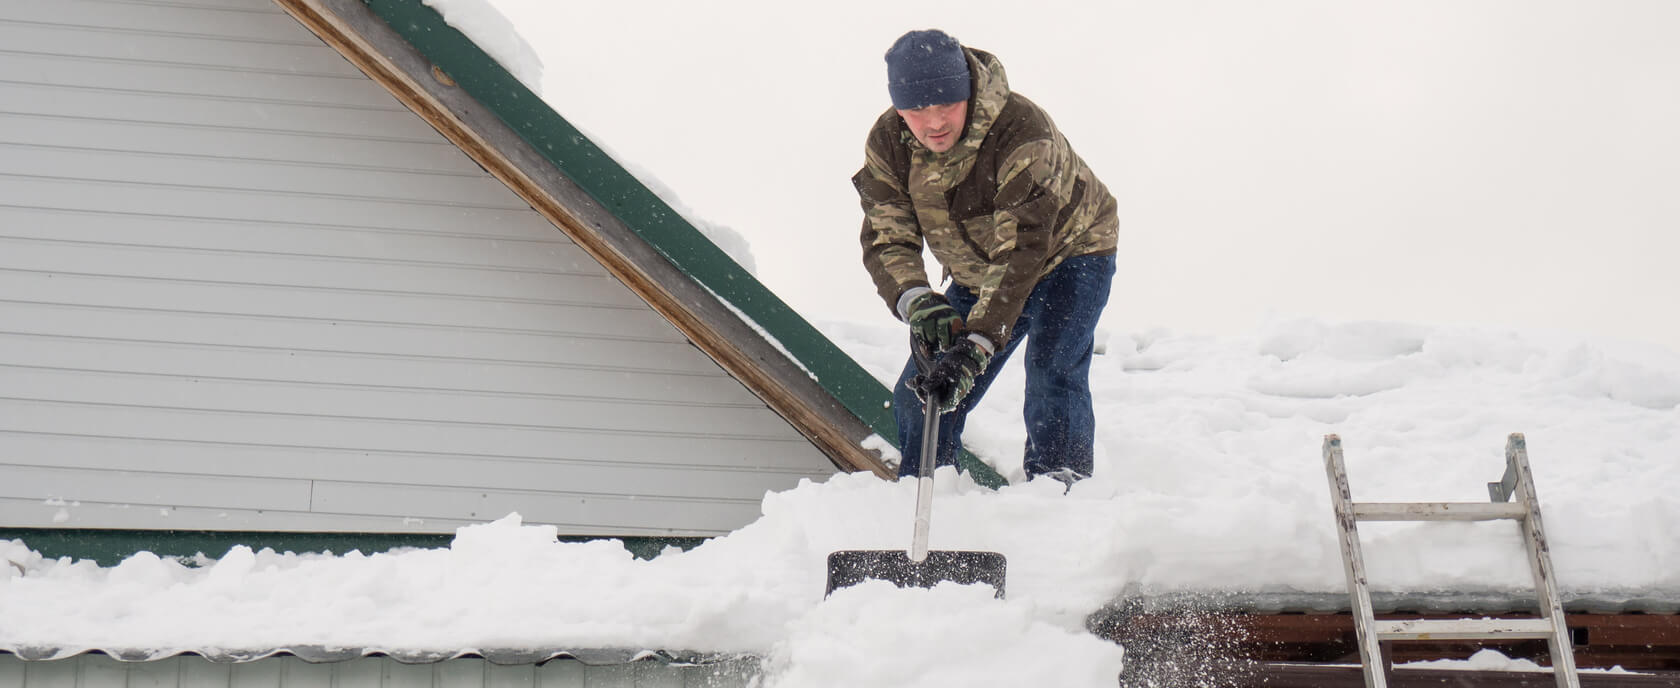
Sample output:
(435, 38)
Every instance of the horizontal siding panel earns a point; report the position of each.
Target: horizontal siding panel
(254, 6)
(233, 267)
(295, 301)
(192, 80)
(677, 358)
(63, 101)
(287, 58)
(151, 199)
(170, 18)
(550, 252)
(438, 470)
(369, 369)
(564, 510)
(721, 448)
(111, 131)
(343, 306)
(72, 485)
(32, 513)
(262, 176)
(579, 410)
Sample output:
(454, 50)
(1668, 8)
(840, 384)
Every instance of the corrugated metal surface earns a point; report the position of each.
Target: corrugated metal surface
(241, 287)
(283, 671)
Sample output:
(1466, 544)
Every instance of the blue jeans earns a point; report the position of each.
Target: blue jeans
(1058, 323)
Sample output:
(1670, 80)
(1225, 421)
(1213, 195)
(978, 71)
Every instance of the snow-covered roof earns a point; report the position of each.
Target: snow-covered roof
(1209, 484)
(1208, 480)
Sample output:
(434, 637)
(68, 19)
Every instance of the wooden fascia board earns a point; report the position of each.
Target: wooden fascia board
(364, 39)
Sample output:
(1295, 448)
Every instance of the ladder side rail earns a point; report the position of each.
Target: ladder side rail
(1353, 565)
(1540, 564)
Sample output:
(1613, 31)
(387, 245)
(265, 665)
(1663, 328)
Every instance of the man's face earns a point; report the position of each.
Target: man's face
(937, 126)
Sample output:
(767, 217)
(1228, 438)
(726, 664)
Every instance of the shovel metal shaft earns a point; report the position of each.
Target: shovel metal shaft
(918, 566)
(924, 481)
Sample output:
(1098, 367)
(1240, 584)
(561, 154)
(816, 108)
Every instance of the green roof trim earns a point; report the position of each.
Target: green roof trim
(109, 547)
(645, 214)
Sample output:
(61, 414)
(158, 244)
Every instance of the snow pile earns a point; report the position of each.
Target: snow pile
(1494, 660)
(875, 634)
(1482, 660)
(499, 585)
(1209, 478)
(1209, 471)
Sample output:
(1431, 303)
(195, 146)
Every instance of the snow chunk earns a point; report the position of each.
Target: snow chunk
(505, 536)
(874, 634)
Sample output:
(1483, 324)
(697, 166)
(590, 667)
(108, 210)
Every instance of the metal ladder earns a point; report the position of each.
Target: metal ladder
(1374, 633)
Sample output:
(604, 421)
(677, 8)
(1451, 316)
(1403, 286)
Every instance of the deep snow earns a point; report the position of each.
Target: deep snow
(1208, 478)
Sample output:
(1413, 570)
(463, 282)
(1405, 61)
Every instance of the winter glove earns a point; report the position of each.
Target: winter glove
(952, 376)
(933, 321)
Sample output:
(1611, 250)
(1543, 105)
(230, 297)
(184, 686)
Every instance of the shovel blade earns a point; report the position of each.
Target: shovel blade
(851, 567)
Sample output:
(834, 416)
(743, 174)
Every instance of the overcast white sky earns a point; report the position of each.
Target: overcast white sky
(1511, 163)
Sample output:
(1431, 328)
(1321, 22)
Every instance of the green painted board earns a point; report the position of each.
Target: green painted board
(109, 547)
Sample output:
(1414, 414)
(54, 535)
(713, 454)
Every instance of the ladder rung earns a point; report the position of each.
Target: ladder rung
(1438, 511)
(1462, 629)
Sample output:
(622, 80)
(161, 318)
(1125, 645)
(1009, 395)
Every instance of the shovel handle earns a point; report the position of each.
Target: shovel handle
(930, 445)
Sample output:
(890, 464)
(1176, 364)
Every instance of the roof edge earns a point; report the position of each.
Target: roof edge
(444, 77)
(1655, 601)
(107, 546)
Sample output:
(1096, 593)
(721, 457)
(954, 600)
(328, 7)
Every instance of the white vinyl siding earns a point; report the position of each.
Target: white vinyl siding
(242, 287)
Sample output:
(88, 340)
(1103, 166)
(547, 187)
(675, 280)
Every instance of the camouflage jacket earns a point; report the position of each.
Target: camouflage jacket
(1000, 210)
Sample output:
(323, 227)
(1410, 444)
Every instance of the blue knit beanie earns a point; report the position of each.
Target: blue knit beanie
(926, 68)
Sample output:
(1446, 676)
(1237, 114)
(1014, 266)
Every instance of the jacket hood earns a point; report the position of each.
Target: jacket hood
(991, 93)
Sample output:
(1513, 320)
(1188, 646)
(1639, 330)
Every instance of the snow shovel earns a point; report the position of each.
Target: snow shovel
(919, 567)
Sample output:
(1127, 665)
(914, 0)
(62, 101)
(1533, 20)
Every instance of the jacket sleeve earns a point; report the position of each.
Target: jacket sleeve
(1032, 194)
(891, 237)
